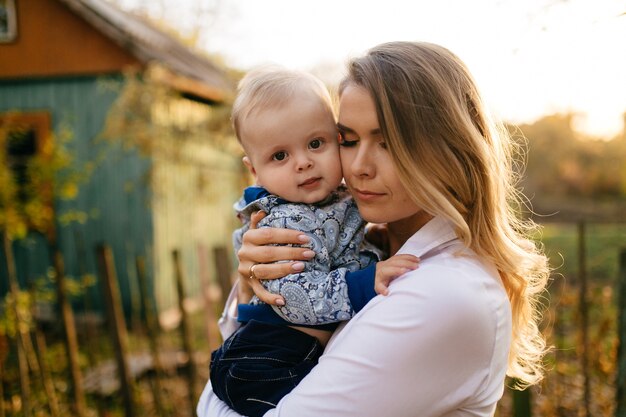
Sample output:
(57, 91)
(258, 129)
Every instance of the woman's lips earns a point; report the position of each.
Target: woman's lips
(365, 195)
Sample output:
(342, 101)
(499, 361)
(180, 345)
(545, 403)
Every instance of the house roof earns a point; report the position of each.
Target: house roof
(179, 66)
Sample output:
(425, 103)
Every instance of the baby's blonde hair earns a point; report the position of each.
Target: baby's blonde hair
(455, 162)
(270, 86)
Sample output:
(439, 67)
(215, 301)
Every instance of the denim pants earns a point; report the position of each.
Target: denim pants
(261, 363)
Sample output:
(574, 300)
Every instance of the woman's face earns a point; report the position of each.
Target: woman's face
(368, 167)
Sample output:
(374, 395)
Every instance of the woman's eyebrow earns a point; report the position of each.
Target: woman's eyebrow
(344, 128)
(373, 132)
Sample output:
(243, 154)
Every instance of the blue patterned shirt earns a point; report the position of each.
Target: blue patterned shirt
(324, 292)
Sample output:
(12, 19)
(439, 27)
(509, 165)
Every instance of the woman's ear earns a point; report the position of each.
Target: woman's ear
(248, 164)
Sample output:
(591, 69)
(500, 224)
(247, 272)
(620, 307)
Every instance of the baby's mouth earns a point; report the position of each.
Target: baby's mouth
(310, 181)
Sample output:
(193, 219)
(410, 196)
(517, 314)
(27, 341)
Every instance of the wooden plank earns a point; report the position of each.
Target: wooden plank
(77, 49)
(21, 351)
(69, 327)
(620, 409)
(116, 323)
(223, 267)
(152, 327)
(583, 309)
(192, 373)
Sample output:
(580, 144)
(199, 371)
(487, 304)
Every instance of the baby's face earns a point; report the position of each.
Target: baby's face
(293, 150)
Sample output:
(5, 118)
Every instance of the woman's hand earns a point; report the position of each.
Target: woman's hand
(256, 252)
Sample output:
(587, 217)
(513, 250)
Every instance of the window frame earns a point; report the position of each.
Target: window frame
(9, 34)
(40, 121)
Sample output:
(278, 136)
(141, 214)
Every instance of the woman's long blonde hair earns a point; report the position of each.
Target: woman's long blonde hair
(455, 162)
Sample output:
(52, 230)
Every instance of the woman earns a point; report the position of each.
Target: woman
(420, 155)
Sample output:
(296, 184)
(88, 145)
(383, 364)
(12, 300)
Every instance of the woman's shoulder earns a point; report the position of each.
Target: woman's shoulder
(471, 288)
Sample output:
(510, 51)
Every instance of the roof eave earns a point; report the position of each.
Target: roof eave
(189, 87)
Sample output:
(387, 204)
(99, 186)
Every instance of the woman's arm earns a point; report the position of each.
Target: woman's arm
(211, 406)
(342, 288)
(436, 345)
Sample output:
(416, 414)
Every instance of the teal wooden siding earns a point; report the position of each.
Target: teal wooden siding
(137, 205)
(192, 213)
(114, 199)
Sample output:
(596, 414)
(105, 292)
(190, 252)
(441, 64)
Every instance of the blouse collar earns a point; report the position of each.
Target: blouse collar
(435, 234)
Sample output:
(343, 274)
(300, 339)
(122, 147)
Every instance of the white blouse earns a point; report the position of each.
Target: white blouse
(437, 345)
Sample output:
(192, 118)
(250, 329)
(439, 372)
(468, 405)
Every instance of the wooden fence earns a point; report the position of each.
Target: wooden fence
(127, 366)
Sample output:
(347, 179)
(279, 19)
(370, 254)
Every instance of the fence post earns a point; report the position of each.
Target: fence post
(69, 327)
(557, 290)
(46, 378)
(222, 265)
(4, 346)
(522, 403)
(22, 360)
(152, 327)
(584, 316)
(116, 323)
(205, 286)
(620, 409)
(192, 373)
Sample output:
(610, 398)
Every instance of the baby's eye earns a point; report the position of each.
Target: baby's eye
(279, 156)
(315, 144)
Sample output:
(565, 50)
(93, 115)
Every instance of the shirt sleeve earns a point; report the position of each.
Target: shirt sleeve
(421, 351)
(361, 286)
(211, 406)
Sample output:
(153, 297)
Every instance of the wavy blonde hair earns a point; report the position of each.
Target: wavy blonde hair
(456, 162)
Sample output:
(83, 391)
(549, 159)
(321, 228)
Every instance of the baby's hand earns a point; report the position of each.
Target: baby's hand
(392, 268)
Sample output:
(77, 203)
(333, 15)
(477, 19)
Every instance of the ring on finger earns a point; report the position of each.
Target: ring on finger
(251, 273)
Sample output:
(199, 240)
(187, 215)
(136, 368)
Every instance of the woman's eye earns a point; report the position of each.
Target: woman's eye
(345, 142)
(279, 156)
(383, 145)
(315, 144)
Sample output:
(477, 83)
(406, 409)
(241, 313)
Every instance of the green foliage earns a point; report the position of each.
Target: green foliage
(77, 216)
(26, 200)
(154, 119)
(32, 173)
(150, 119)
(20, 304)
(561, 392)
(23, 303)
(603, 242)
(564, 163)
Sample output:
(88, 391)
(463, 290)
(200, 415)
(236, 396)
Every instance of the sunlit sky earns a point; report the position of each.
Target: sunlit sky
(530, 57)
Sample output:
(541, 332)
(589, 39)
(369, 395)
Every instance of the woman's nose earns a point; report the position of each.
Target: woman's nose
(362, 163)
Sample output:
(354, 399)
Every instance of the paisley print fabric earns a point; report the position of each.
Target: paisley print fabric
(319, 294)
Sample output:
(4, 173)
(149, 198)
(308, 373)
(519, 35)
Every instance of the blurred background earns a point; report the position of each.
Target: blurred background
(119, 169)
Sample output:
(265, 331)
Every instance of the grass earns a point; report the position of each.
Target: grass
(603, 243)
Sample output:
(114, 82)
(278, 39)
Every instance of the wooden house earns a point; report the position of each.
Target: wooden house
(146, 118)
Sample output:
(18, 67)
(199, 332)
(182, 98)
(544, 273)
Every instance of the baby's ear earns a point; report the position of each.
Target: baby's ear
(248, 164)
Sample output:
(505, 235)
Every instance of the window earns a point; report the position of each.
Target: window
(24, 136)
(21, 146)
(8, 21)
